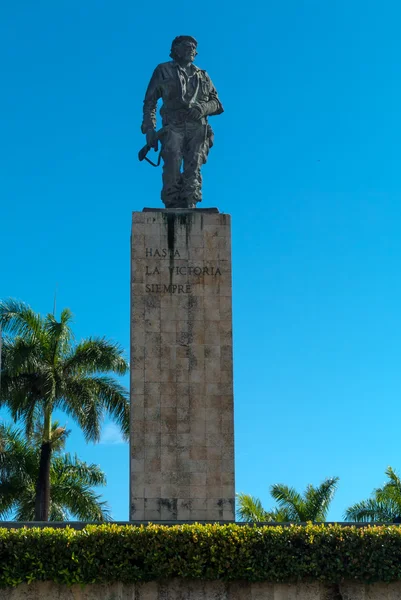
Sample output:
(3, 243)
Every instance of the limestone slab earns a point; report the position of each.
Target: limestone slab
(181, 367)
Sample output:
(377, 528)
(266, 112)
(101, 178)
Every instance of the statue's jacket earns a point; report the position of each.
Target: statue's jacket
(168, 83)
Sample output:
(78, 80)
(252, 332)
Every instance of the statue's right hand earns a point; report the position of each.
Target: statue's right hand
(151, 139)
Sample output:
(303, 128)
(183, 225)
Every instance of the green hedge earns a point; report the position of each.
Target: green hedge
(108, 553)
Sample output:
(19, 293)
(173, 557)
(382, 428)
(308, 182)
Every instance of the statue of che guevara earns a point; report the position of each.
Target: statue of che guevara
(186, 137)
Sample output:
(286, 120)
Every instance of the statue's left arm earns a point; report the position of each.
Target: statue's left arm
(212, 106)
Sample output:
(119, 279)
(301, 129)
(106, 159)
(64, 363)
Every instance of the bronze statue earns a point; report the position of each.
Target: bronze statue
(186, 137)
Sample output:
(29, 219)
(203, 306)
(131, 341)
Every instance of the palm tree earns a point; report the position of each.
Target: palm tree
(293, 507)
(313, 505)
(384, 506)
(71, 480)
(43, 370)
(250, 509)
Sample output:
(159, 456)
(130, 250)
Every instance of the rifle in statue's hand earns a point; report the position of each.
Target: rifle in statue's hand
(142, 154)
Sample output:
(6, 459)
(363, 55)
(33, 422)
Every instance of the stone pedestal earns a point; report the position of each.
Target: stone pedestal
(182, 436)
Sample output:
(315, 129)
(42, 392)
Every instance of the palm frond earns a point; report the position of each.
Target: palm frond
(317, 499)
(25, 507)
(70, 487)
(288, 499)
(23, 400)
(18, 460)
(22, 376)
(9, 490)
(250, 509)
(18, 319)
(88, 474)
(113, 397)
(17, 456)
(280, 515)
(79, 401)
(88, 399)
(96, 355)
(20, 356)
(391, 489)
(59, 334)
(32, 414)
(383, 506)
(393, 477)
(57, 512)
(371, 510)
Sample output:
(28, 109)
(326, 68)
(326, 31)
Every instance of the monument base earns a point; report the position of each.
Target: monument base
(182, 435)
(180, 210)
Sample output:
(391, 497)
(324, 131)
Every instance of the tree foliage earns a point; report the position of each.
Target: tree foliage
(384, 506)
(43, 370)
(293, 507)
(71, 481)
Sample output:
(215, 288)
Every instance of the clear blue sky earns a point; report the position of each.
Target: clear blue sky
(307, 162)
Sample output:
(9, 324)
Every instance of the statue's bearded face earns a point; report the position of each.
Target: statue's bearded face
(186, 50)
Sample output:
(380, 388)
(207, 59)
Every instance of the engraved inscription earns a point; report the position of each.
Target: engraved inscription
(190, 270)
(160, 253)
(154, 271)
(174, 271)
(172, 288)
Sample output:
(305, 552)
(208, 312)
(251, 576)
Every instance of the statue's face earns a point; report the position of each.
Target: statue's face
(186, 50)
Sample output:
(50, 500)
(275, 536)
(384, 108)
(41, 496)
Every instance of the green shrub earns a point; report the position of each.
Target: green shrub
(109, 553)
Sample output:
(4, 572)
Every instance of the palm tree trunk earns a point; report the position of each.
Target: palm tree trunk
(42, 501)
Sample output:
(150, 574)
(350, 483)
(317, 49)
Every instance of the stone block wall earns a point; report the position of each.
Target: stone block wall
(182, 431)
(200, 590)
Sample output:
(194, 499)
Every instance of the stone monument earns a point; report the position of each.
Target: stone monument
(182, 432)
